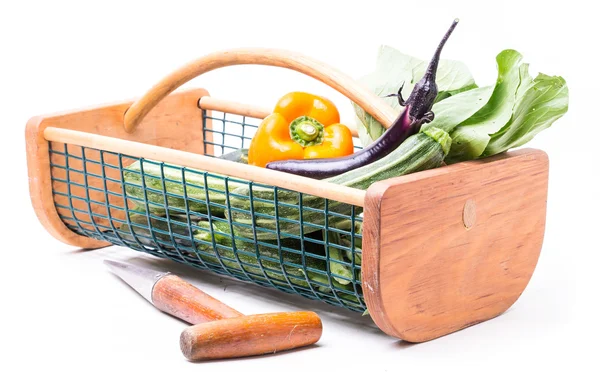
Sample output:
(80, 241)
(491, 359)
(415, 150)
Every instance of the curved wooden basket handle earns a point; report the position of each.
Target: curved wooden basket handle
(354, 91)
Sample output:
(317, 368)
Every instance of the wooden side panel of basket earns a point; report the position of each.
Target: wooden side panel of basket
(176, 122)
(448, 248)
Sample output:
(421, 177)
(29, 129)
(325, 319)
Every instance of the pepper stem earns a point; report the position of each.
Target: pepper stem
(306, 131)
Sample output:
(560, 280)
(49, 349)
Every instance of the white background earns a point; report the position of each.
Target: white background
(63, 314)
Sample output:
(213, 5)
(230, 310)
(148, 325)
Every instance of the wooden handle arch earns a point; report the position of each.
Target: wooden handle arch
(342, 83)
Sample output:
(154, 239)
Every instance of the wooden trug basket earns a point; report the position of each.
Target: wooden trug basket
(442, 249)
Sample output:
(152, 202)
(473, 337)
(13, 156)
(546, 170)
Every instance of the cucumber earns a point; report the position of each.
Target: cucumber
(340, 270)
(195, 189)
(343, 296)
(140, 231)
(174, 186)
(284, 220)
(422, 151)
(270, 259)
(268, 252)
(140, 208)
(346, 239)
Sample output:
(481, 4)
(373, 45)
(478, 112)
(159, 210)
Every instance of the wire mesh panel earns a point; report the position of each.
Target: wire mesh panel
(263, 234)
(225, 133)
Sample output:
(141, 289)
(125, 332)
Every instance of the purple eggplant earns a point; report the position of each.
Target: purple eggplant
(417, 111)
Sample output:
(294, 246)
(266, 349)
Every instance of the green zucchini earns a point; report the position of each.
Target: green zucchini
(346, 239)
(284, 220)
(422, 151)
(196, 186)
(140, 208)
(173, 184)
(268, 254)
(340, 270)
(343, 296)
(271, 259)
(137, 229)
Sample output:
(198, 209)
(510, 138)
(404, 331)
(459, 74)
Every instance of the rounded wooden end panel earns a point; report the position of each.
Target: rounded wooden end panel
(179, 109)
(451, 247)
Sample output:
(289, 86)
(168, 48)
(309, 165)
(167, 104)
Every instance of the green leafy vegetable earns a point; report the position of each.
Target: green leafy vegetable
(543, 101)
(481, 121)
(451, 76)
(471, 137)
(456, 109)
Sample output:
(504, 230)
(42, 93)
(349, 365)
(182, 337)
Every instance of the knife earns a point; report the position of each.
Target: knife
(219, 331)
(171, 294)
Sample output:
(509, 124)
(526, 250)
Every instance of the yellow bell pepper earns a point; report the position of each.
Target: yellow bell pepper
(302, 126)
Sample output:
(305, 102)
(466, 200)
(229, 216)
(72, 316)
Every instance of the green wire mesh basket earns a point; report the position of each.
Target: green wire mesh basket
(426, 254)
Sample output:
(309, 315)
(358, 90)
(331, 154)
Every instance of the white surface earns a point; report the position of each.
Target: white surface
(63, 314)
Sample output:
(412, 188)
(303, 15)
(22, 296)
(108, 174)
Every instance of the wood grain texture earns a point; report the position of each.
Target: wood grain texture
(257, 112)
(347, 86)
(250, 335)
(426, 275)
(214, 165)
(222, 105)
(175, 123)
(183, 300)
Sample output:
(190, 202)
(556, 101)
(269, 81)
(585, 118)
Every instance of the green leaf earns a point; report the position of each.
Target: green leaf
(451, 75)
(541, 102)
(454, 110)
(394, 68)
(370, 129)
(526, 80)
(471, 137)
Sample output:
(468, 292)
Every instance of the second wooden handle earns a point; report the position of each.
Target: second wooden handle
(250, 335)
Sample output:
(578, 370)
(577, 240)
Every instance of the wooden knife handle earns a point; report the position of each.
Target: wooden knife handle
(250, 335)
(183, 300)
